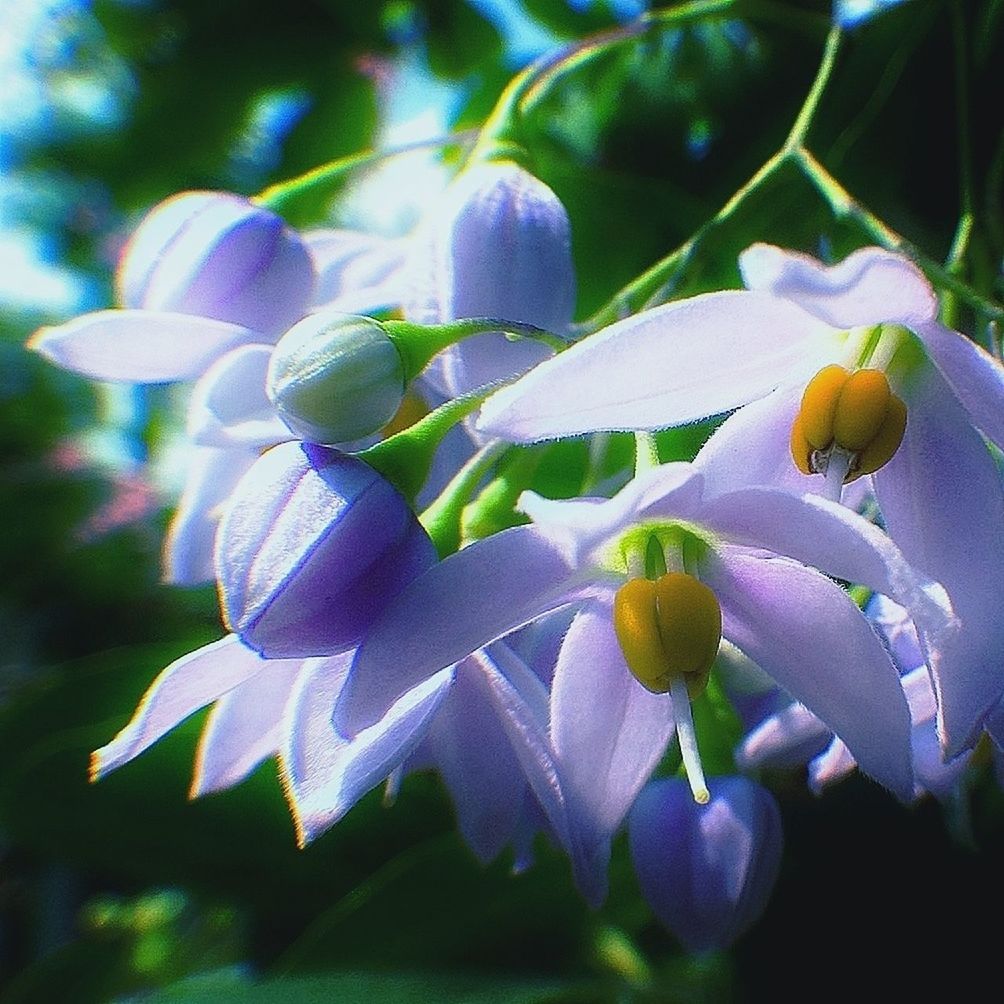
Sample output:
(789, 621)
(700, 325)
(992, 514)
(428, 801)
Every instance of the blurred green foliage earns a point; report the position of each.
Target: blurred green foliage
(123, 890)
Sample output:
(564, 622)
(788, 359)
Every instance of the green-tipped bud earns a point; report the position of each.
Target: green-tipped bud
(336, 377)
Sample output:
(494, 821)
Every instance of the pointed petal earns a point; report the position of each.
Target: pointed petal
(609, 733)
(673, 364)
(325, 774)
(211, 476)
(578, 526)
(244, 728)
(942, 500)
(804, 630)
(473, 597)
(788, 738)
(832, 765)
(476, 761)
(870, 286)
(189, 683)
(138, 346)
(229, 407)
(975, 376)
(751, 447)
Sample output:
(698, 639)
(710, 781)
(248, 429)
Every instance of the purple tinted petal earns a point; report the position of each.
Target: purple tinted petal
(497, 245)
(706, 871)
(832, 765)
(473, 754)
(941, 483)
(805, 632)
(870, 286)
(229, 407)
(975, 376)
(189, 683)
(472, 598)
(350, 264)
(609, 733)
(244, 728)
(138, 346)
(789, 738)
(673, 364)
(211, 476)
(219, 256)
(313, 545)
(326, 774)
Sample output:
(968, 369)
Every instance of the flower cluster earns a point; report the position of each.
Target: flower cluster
(545, 655)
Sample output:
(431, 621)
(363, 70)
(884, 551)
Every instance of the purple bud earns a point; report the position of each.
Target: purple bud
(497, 245)
(218, 255)
(706, 871)
(313, 546)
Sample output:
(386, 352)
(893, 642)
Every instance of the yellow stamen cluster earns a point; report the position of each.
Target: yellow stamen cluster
(856, 412)
(668, 628)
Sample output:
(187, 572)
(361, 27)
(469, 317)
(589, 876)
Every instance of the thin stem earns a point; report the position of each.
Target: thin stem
(807, 113)
(836, 470)
(646, 453)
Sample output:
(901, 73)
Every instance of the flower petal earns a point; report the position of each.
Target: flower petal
(472, 598)
(365, 268)
(211, 476)
(189, 683)
(788, 738)
(975, 376)
(229, 407)
(870, 286)
(608, 732)
(673, 364)
(244, 728)
(804, 630)
(325, 774)
(138, 346)
(941, 483)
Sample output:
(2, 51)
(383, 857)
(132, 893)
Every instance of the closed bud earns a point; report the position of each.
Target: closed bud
(706, 871)
(312, 547)
(335, 377)
(218, 255)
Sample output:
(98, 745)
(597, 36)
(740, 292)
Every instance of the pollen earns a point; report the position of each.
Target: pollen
(669, 628)
(853, 412)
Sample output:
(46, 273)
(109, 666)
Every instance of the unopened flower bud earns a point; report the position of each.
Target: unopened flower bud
(706, 871)
(218, 255)
(312, 547)
(336, 377)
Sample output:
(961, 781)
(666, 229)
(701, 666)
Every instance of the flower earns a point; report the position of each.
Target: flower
(705, 355)
(607, 730)
(497, 244)
(207, 284)
(706, 871)
(313, 544)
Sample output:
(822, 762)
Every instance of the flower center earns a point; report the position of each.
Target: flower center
(851, 421)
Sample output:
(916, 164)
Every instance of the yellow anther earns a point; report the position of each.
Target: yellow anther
(819, 405)
(667, 629)
(855, 412)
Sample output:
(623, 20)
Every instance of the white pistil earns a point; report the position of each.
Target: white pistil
(837, 466)
(688, 740)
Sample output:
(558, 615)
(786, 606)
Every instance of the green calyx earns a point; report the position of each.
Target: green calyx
(658, 547)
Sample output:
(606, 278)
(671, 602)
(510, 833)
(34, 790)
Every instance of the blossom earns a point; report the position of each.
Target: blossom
(607, 730)
(497, 244)
(706, 871)
(687, 360)
(313, 544)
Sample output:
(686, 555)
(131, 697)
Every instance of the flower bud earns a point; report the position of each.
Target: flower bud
(312, 547)
(706, 871)
(218, 255)
(335, 377)
(497, 245)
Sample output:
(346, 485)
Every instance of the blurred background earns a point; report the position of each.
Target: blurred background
(126, 890)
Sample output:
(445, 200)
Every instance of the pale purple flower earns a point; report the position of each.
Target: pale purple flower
(706, 871)
(697, 357)
(496, 244)
(312, 546)
(607, 732)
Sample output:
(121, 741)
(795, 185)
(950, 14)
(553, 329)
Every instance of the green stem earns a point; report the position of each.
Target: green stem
(646, 453)
(842, 204)
(443, 517)
(807, 113)
(418, 343)
(405, 458)
(283, 196)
